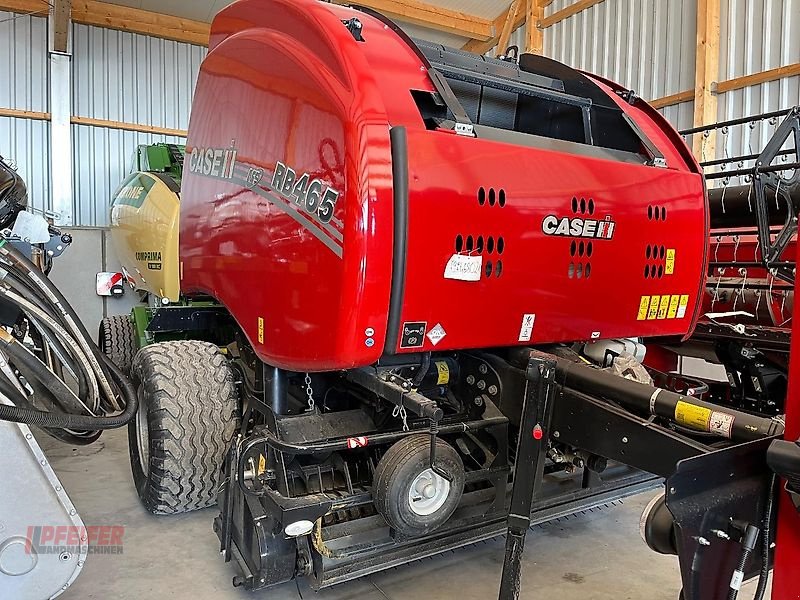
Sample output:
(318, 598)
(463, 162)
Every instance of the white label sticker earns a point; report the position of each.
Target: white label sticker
(526, 330)
(721, 423)
(595, 335)
(736, 580)
(464, 268)
(436, 334)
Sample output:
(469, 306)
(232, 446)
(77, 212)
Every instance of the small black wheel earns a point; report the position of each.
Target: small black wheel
(412, 497)
(117, 339)
(188, 414)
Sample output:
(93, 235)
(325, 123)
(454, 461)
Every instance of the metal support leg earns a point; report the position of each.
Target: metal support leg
(528, 466)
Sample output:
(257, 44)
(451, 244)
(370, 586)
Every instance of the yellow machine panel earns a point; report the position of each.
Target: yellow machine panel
(144, 231)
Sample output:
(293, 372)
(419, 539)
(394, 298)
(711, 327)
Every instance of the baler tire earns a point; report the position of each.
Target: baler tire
(117, 338)
(188, 397)
(396, 471)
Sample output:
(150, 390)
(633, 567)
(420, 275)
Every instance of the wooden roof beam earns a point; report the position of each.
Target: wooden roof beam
(60, 25)
(534, 32)
(706, 73)
(433, 17)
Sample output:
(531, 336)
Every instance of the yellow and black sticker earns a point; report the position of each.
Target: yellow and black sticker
(673, 306)
(693, 416)
(669, 267)
(644, 303)
(662, 308)
(260, 330)
(444, 373)
(262, 464)
(682, 304)
(652, 313)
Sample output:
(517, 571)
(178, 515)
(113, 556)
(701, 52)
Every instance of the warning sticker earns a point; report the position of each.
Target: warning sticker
(721, 423)
(669, 266)
(260, 330)
(684, 302)
(662, 308)
(673, 306)
(526, 329)
(413, 334)
(691, 415)
(357, 442)
(644, 303)
(436, 334)
(652, 312)
(444, 373)
(262, 464)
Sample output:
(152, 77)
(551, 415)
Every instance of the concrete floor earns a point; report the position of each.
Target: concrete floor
(598, 555)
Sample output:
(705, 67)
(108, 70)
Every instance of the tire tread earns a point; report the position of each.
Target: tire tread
(192, 415)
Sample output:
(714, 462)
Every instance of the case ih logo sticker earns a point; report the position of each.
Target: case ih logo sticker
(313, 196)
(308, 201)
(213, 162)
(577, 227)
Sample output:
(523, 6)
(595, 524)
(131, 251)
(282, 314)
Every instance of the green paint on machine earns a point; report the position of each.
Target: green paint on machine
(134, 190)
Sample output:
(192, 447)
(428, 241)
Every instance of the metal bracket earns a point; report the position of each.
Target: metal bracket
(532, 441)
(766, 175)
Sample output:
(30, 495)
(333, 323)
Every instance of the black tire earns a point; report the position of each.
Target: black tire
(117, 339)
(189, 402)
(397, 471)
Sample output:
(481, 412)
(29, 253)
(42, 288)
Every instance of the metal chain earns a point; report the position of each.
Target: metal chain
(309, 392)
(400, 411)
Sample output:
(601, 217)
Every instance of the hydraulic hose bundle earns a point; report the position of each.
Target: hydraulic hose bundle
(37, 378)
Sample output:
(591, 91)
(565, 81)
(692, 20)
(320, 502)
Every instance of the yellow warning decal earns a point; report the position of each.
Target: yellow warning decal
(260, 330)
(444, 373)
(652, 313)
(682, 304)
(262, 464)
(691, 415)
(644, 303)
(669, 267)
(662, 308)
(673, 306)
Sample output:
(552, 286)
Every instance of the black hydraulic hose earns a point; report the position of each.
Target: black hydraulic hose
(766, 535)
(749, 541)
(685, 410)
(42, 282)
(35, 368)
(423, 369)
(85, 345)
(11, 392)
(79, 422)
(58, 300)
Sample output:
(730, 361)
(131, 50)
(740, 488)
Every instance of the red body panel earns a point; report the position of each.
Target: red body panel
(288, 85)
(787, 550)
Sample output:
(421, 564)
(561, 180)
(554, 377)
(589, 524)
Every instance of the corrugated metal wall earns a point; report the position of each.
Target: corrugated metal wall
(119, 76)
(756, 35)
(646, 45)
(23, 71)
(649, 46)
(116, 76)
